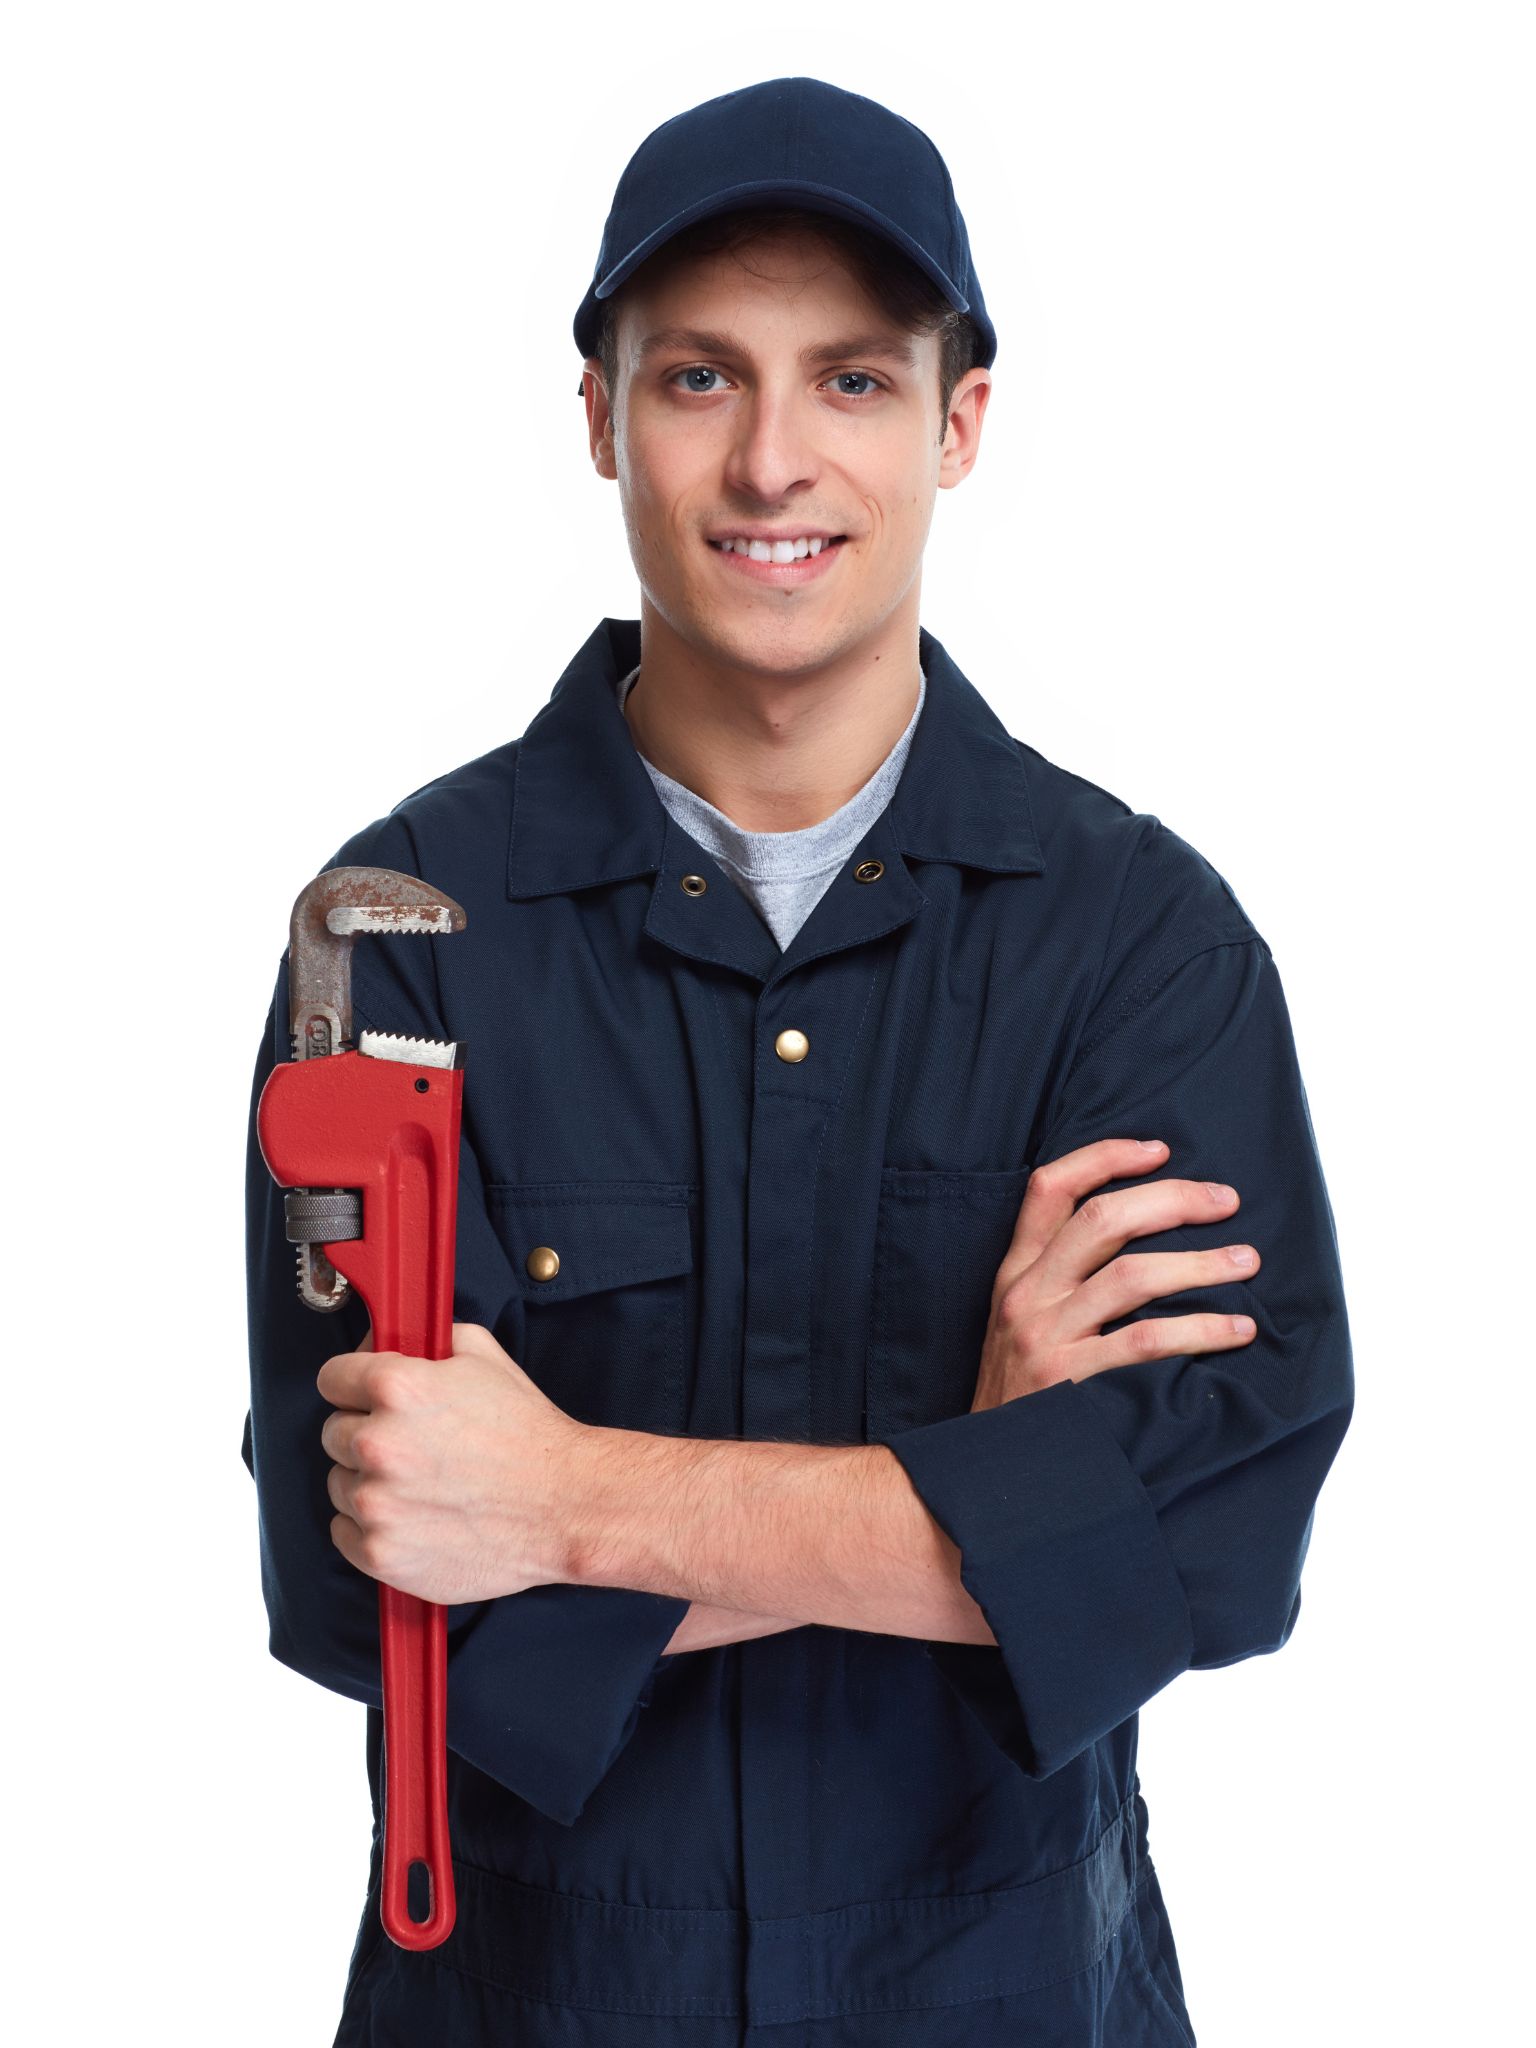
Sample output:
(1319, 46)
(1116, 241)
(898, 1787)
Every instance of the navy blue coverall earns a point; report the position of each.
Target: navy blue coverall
(826, 1836)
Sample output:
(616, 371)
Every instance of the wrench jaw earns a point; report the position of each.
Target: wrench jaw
(411, 1052)
(330, 913)
(321, 1287)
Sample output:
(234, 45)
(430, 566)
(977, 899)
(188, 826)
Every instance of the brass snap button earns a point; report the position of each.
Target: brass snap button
(693, 885)
(792, 1046)
(869, 871)
(543, 1262)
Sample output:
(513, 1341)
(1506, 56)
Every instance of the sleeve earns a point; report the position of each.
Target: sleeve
(545, 1687)
(1153, 1518)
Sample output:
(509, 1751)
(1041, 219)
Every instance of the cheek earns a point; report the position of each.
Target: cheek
(656, 514)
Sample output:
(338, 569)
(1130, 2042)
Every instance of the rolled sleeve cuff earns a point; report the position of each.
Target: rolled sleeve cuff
(545, 1687)
(1060, 1549)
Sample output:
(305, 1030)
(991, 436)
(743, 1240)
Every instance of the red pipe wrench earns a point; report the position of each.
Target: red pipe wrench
(367, 1140)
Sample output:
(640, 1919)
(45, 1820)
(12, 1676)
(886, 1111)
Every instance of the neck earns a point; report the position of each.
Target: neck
(775, 750)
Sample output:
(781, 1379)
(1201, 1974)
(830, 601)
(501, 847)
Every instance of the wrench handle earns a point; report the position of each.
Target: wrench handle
(391, 1129)
(413, 1646)
(412, 1312)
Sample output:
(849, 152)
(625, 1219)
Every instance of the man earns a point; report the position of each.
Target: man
(814, 1503)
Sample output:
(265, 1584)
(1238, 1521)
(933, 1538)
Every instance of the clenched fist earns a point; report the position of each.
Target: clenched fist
(454, 1479)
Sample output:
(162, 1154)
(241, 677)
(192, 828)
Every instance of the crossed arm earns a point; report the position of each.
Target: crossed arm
(812, 1533)
(459, 1480)
(838, 1535)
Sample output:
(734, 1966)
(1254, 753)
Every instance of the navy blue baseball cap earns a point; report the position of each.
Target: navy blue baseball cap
(797, 142)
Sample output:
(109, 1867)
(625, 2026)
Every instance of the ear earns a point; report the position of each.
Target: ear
(599, 419)
(962, 439)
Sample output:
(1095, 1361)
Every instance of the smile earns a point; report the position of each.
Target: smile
(782, 563)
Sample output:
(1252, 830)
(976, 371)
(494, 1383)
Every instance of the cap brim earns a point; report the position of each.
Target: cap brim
(763, 192)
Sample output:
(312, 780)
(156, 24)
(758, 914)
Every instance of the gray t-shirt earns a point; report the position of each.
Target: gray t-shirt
(785, 874)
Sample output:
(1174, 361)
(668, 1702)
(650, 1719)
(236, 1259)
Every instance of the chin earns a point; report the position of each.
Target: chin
(778, 644)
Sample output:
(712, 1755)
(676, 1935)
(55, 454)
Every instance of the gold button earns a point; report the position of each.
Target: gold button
(693, 885)
(543, 1262)
(869, 871)
(792, 1046)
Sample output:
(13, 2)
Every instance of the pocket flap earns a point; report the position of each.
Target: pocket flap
(604, 1233)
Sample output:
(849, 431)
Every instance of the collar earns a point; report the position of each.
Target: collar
(584, 810)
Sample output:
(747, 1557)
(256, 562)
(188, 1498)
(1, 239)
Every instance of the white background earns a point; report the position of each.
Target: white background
(298, 514)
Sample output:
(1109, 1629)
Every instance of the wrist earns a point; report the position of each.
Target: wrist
(581, 1516)
(608, 1468)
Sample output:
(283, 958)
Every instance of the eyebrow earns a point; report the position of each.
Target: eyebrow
(890, 348)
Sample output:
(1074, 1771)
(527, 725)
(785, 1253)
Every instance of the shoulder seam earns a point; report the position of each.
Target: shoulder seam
(1158, 972)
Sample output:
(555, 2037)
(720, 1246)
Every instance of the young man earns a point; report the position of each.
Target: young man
(814, 1501)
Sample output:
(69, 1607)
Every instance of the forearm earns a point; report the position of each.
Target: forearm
(827, 1534)
(710, 1628)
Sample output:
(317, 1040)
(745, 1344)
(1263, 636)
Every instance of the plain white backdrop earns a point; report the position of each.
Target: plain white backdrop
(297, 514)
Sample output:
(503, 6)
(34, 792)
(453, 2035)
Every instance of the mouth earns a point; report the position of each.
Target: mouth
(781, 564)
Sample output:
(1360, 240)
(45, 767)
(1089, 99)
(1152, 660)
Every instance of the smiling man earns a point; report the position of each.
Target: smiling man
(863, 1398)
(779, 434)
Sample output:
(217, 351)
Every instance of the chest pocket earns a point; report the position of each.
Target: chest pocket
(940, 1238)
(605, 1333)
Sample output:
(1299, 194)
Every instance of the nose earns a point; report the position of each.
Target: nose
(771, 453)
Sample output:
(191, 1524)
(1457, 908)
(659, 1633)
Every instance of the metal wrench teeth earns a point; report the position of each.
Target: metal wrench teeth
(410, 1052)
(307, 1259)
(346, 920)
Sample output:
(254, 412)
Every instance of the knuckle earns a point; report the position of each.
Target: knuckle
(386, 1383)
(1145, 1338)
(1095, 1214)
(366, 1502)
(368, 1449)
(1009, 1304)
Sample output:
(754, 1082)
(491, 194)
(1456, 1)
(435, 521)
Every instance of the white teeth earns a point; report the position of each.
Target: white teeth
(774, 550)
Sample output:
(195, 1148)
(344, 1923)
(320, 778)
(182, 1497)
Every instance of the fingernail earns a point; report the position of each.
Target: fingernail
(1240, 1255)
(1219, 1192)
(1242, 1326)
(1150, 1144)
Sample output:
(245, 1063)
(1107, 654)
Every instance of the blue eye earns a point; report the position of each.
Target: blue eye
(706, 390)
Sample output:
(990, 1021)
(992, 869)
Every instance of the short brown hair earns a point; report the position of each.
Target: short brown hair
(906, 295)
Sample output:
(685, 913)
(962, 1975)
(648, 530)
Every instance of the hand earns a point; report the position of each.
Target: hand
(1060, 1281)
(453, 1478)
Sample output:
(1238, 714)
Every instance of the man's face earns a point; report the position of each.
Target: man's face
(776, 401)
